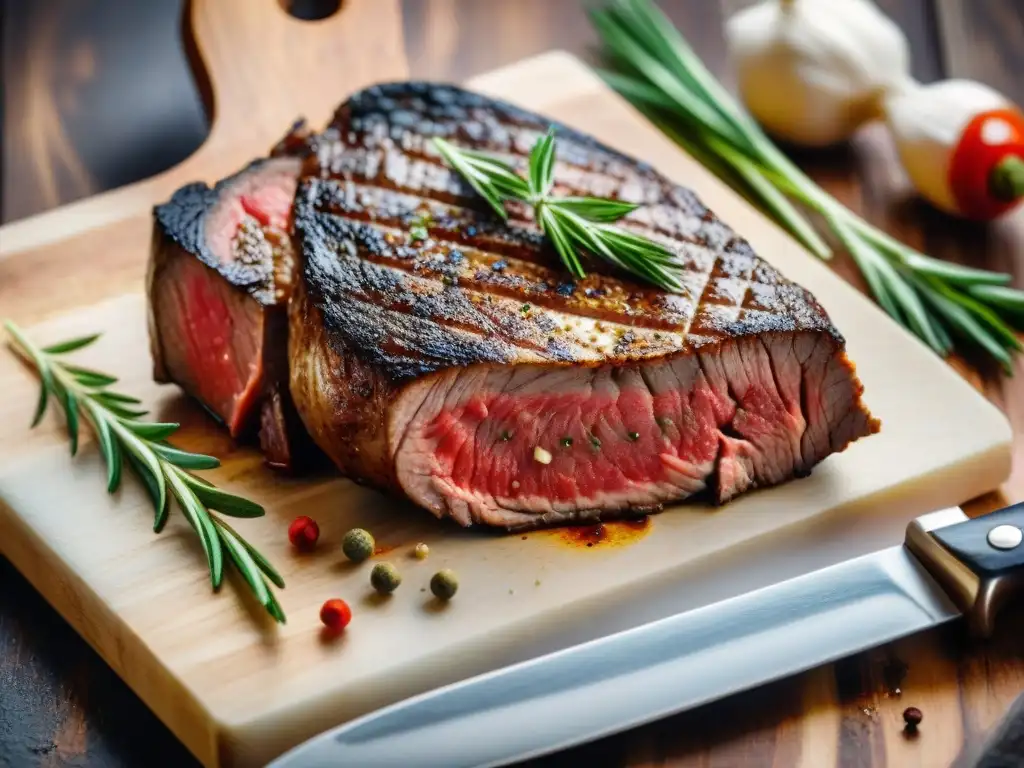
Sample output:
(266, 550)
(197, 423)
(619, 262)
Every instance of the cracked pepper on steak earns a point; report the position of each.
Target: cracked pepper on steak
(439, 353)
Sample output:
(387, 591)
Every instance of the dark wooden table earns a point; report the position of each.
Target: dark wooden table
(98, 93)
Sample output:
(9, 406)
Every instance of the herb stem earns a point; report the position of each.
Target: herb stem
(159, 465)
(654, 68)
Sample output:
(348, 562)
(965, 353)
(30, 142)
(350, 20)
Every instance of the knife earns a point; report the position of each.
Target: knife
(949, 566)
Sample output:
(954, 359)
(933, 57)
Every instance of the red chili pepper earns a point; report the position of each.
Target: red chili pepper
(986, 172)
(303, 533)
(335, 614)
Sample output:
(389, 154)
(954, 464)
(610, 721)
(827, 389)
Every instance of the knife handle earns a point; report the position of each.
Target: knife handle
(979, 562)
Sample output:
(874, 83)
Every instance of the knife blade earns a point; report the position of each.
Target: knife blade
(948, 566)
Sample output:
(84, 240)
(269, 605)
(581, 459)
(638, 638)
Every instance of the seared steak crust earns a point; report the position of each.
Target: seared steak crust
(220, 274)
(434, 348)
(461, 295)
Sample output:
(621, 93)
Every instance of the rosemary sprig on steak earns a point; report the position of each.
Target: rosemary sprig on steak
(161, 467)
(655, 68)
(574, 225)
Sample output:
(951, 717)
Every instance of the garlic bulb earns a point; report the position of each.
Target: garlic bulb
(813, 71)
(927, 123)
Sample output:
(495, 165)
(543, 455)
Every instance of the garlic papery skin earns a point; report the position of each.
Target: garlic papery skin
(926, 123)
(813, 71)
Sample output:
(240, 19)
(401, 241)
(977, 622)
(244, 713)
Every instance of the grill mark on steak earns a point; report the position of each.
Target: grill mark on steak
(363, 242)
(458, 226)
(364, 280)
(411, 360)
(657, 219)
(666, 211)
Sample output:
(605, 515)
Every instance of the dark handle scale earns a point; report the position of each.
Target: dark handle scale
(969, 542)
(979, 577)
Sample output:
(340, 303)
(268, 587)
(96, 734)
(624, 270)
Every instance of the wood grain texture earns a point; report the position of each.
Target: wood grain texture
(824, 718)
(983, 40)
(252, 51)
(253, 692)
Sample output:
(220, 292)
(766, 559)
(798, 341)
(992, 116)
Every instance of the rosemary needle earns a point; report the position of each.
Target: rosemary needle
(574, 225)
(163, 469)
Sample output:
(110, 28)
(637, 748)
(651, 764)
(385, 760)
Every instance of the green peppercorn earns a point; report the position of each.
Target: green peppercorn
(385, 578)
(420, 551)
(444, 584)
(357, 545)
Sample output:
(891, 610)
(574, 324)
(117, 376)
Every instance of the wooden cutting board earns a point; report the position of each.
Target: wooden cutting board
(236, 688)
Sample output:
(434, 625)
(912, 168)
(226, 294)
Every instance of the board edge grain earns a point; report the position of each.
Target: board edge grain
(111, 638)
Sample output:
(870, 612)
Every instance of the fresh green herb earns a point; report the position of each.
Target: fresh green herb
(634, 436)
(524, 308)
(82, 392)
(655, 68)
(567, 442)
(574, 225)
(418, 232)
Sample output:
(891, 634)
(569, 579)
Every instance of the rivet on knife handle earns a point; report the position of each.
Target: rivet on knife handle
(980, 562)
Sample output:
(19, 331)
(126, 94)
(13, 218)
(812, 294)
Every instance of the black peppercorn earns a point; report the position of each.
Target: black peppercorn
(912, 717)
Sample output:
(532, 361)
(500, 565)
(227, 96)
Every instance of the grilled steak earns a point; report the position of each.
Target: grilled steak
(220, 274)
(446, 355)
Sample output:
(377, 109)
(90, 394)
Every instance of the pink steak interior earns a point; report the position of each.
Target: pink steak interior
(507, 444)
(212, 331)
(221, 330)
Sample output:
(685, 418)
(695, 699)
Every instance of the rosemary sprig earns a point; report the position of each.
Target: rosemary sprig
(655, 69)
(161, 467)
(574, 225)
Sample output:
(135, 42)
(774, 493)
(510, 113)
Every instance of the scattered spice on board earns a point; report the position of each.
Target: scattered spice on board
(385, 578)
(894, 672)
(912, 716)
(358, 545)
(335, 614)
(420, 551)
(444, 584)
(304, 533)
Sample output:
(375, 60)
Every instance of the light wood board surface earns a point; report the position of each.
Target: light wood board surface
(237, 690)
